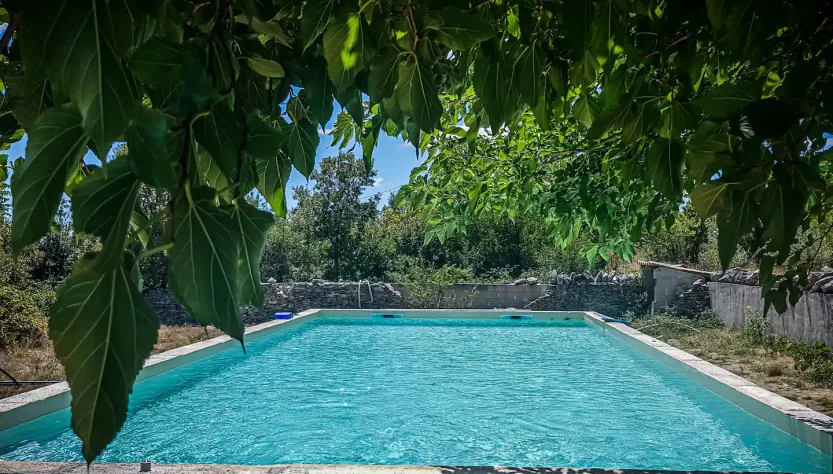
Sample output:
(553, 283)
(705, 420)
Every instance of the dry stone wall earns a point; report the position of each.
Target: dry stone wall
(602, 293)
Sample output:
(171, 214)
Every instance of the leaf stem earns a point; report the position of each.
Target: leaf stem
(147, 253)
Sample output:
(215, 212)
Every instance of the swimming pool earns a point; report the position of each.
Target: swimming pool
(415, 391)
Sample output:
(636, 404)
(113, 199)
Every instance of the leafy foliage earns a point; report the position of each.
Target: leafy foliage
(603, 114)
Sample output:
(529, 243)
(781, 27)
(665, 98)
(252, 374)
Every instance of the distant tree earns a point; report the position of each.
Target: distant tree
(333, 211)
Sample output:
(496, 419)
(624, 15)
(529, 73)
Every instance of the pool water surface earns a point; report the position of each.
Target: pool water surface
(431, 392)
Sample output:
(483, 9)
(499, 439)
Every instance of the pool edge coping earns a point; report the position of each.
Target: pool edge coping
(804, 423)
(820, 433)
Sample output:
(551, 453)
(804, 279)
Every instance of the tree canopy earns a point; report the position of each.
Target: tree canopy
(601, 112)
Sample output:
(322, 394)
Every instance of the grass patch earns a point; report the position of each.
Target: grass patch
(800, 371)
(39, 363)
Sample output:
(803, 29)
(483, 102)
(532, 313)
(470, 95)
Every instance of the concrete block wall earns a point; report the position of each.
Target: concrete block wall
(666, 281)
(811, 319)
(499, 296)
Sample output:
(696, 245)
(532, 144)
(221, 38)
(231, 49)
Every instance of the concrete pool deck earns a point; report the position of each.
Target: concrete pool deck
(81, 468)
(804, 423)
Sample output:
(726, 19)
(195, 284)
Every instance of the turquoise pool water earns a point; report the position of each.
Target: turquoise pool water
(450, 392)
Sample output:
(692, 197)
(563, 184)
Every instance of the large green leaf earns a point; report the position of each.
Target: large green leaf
(314, 20)
(264, 140)
(203, 268)
(56, 144)
(783, 206)
(28, 98)
(723, 101)
(497, 87)
(82, 46)
(708, 199)
(147, 143)
(346, 48)
(265, 67)
(318, 92)
(301, 144)
(383, 75)
(462, 31)
(417, 95)
(158, 62)
(221, 135)
(253, 225)
(665, 161)
(736, 219)
(104, 200)
(273, 175)
(531, 62)
(585, 111)
(102, 330)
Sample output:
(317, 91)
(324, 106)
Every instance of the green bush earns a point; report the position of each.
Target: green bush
(756, 330)
(427, 286)
(22, 322)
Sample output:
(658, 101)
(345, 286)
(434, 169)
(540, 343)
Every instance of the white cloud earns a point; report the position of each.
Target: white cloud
(326, 131)
(377, 182)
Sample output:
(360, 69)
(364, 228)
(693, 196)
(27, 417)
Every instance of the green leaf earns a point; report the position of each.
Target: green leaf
(220, 133)
(664, 167)
(346, 49)
(148, 153)
(104, 200)
(708, 199)
(253, 225)
(203, 263)
(610, 120)
(318, 92)
(273, 173)
(189, 95)
(28, 99)
(462, 31)
(301, 144)
(737, 218)
(531, 62)
(158, 62)
(496, 85)
(585, 111)
(315, 18)
(590, 254)
(351, 100)
(251, 91)
(265, 67)
(783, 207)
(723, 101)
(264, 140)
(717, 12)
(383, 76)
(416, 93)
(56, 144)
(82, 48)
(271, 28)
(102, 330)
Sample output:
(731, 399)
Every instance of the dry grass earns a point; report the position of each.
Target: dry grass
(774, 371)
(39, 363)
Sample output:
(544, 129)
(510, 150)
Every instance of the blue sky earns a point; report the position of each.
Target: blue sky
(393, 161)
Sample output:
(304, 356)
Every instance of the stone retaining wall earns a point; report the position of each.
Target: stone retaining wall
(809, 320)
(609, 298)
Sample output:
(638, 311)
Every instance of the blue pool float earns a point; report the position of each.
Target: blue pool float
(283, 315)
(614, 320)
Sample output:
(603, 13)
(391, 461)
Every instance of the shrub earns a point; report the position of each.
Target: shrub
(22, 323)
(427, 286)
(756, 330)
